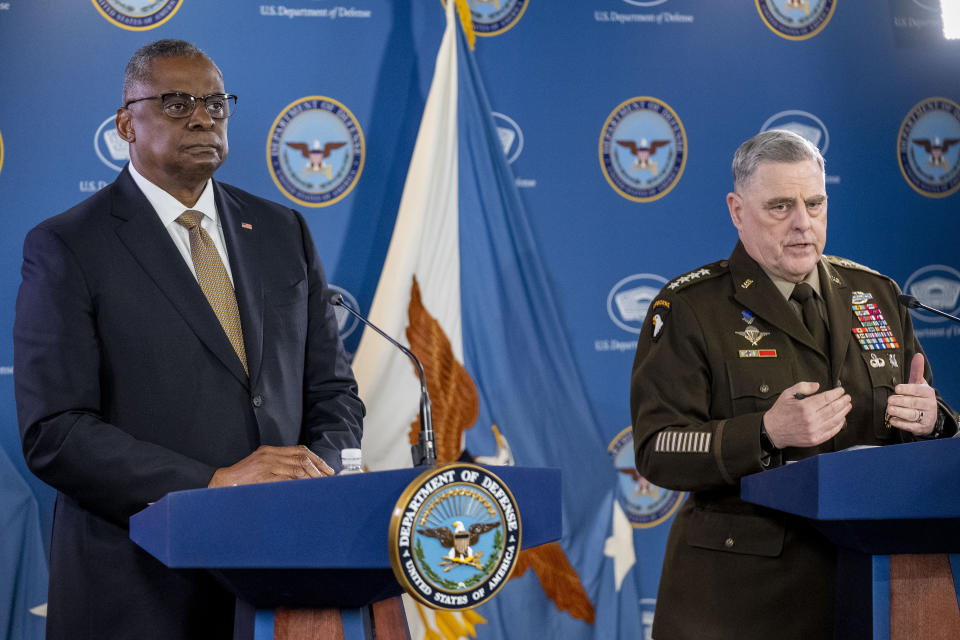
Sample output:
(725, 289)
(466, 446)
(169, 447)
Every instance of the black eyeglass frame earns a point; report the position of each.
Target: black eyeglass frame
(229, 98)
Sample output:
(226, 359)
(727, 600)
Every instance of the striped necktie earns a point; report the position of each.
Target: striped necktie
(214, 281)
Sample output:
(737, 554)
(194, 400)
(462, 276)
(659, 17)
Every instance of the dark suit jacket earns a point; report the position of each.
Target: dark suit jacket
(698, 394)
(127, 388)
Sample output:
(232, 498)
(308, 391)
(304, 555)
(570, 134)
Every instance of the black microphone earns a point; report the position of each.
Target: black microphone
(912, 303)
(425, 451)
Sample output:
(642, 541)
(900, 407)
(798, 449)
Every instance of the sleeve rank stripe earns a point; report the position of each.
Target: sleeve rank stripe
(683, 442)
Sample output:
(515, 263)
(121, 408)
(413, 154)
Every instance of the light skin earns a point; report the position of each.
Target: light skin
(780, 214)
(179, 156)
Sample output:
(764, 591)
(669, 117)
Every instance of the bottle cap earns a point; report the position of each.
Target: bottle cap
(350, 457)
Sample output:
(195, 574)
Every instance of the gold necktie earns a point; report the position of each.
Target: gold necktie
(214, 281)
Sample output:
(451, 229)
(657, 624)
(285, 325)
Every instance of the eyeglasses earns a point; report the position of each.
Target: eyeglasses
(182, 105)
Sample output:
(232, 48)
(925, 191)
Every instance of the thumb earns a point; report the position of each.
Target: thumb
(916, 370)
(802, 389)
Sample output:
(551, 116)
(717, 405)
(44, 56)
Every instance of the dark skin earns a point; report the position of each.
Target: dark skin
(180, 156)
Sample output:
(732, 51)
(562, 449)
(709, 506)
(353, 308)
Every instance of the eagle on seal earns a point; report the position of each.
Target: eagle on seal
(459, 539)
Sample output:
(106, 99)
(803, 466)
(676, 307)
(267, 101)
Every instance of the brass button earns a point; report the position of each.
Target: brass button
(728, 543)
(764, 388)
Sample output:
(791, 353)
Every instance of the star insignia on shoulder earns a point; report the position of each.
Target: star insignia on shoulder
(689, 277)
(849, 264)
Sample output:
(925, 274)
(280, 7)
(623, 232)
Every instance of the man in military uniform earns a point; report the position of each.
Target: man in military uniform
(776, 354)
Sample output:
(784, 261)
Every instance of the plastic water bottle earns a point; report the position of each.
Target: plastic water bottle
(350, 459)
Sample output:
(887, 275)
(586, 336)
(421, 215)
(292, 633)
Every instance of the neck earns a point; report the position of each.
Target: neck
(186, 189)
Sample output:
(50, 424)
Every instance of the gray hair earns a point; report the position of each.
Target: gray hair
(138, 68)
(776, 145)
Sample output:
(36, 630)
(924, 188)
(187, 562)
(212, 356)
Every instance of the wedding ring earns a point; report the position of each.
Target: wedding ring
(919, 415)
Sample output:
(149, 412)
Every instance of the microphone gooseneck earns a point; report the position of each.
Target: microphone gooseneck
(425, 451)
(912, 303)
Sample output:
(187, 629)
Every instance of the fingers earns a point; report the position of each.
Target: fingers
(317, 463)
(916, 369)
(270, 464)
(916, 414)
(799, 421)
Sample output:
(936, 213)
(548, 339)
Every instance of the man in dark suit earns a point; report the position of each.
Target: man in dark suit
(171, 333)
(775, 354)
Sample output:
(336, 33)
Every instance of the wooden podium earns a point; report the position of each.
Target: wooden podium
(309, 558)
(894, 512)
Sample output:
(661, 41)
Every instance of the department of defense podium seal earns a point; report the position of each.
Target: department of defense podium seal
(454, 536)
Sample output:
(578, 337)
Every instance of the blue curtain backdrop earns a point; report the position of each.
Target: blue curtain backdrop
(874, 84)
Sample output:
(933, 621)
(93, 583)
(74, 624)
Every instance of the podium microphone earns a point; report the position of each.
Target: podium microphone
(425, 451)
(912, 303)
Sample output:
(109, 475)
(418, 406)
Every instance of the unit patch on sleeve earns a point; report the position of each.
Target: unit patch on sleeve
(660, 309)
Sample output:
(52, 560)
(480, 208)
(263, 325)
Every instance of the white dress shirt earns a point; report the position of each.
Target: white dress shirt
(169, 209)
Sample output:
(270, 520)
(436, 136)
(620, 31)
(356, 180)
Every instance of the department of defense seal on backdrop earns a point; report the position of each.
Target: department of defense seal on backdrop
(645, 504)
(493, 17)
(804, 124)
(137, 16)
(315, 151)
(346, 321)
(454, 536)
(796, 19)
(928, 147)
(937, 286)
(643, 149)
(629, 300)
(112, 150)
(510, 135)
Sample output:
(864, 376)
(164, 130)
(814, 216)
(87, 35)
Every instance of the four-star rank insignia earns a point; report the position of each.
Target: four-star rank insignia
(454, 536)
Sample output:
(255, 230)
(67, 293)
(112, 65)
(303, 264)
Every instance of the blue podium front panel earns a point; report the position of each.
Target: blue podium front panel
(315, 542)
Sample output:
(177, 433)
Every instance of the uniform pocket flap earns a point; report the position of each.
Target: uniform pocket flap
(735, 533)
(755, 378)
(883, 367)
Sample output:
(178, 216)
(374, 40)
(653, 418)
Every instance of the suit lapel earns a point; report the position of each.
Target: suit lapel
(140, 230)
(245, 255)
(837, 296)
(755, 291)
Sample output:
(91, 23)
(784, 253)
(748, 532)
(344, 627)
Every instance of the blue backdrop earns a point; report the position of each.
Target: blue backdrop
(874, 84)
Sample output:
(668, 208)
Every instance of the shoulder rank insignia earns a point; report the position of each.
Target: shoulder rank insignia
(849, 264)
(698, 275)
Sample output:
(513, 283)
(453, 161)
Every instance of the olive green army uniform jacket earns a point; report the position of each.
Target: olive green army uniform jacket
(718, 346)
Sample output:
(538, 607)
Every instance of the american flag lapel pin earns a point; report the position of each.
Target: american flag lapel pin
(246, 225)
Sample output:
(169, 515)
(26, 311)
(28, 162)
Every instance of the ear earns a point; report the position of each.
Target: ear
(735, 205)
(124, 123)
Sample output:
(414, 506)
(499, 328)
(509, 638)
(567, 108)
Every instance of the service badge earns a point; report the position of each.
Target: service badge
(454, 536)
